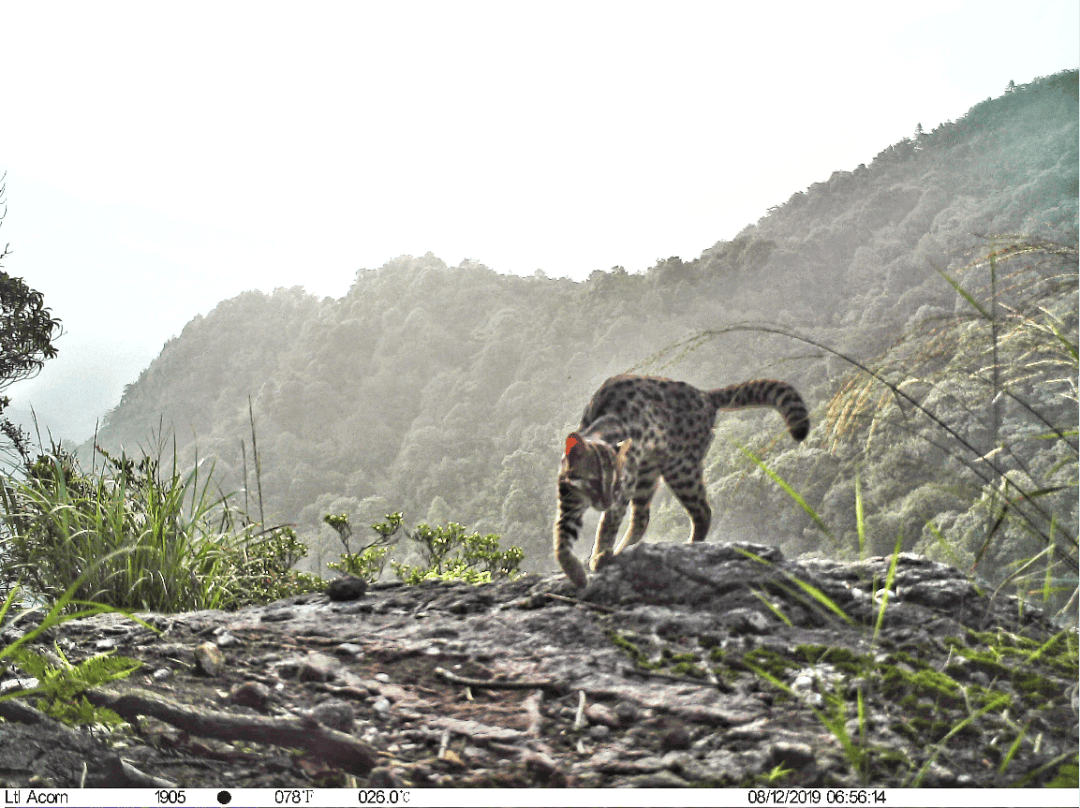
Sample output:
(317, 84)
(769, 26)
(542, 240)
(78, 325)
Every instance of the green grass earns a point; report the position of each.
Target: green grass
(140, 534)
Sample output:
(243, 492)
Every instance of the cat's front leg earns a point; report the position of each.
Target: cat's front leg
(606, 532)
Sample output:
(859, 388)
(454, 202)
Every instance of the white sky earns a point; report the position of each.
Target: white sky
(163, 157)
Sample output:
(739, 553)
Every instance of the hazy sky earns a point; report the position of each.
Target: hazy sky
(163, 157)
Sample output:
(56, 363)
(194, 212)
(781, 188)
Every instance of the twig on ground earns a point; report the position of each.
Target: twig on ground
(579, 716)
(670, 677)
(585, 603)
(549, 685)
(334, 747)
(532, 709)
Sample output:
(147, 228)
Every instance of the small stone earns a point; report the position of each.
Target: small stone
(336, 715)
(255, 695)
(545, 770)
(287, 669)
(226, 640)
(385, 777)
(627, 712)
(382, 677)
(601, 714)
(474, 754)
(162, 674)
(22, 683)
(348, 588)
(658, 779)
(791, 755)
(279, 615)
(318, 668)
(745, 621)
(208, 659)
(677, 737)
(348, 649)
(599, 732)
(11, 635)
(381, 706)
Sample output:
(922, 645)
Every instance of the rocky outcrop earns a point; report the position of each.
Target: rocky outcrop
(702, 665)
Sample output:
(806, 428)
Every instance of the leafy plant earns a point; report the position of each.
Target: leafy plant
(58, 686)
(447, 553)
(27, 333)
(451, 554)
(261, 567)
(27, 327)
(368, 562)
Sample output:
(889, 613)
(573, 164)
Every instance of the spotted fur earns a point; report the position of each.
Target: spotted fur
(635, 430)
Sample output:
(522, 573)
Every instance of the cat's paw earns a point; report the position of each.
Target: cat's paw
(574, 571)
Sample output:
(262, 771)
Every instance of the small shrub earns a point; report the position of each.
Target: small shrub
(451, 554)
(447, 553)
(368, 563)
(59, 687)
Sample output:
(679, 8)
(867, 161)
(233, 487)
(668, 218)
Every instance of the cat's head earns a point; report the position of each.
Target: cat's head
(594, 467)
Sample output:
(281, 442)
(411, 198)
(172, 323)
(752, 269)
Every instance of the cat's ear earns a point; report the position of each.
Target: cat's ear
(575, 445)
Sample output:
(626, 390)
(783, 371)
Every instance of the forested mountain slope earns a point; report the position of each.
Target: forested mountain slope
(447, 392)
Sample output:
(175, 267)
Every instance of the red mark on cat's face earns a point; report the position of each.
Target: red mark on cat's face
(571, 442)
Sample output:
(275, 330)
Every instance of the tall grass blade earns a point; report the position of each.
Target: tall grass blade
(771, 607)
(835, 724)
(810, 589)
(890, 576)
(791, 492)
(1001, 701)
(964, 293)
(820, 597)
(860, 522)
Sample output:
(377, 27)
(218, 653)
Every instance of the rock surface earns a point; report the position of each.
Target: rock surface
(696, 665)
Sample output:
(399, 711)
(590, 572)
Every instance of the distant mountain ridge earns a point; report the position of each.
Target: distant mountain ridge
(446, 392)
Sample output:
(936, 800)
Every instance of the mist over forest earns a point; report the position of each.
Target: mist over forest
(447, 392)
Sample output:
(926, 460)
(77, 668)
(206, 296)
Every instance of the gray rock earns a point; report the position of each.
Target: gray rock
(255, 695)
(208, 659)
(347, 588)
(335, 714)
(665, 646)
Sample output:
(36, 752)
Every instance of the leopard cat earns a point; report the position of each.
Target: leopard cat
(635, 430)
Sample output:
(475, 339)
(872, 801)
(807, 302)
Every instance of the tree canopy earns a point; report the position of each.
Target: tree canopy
(27, 331)
(446, 392)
